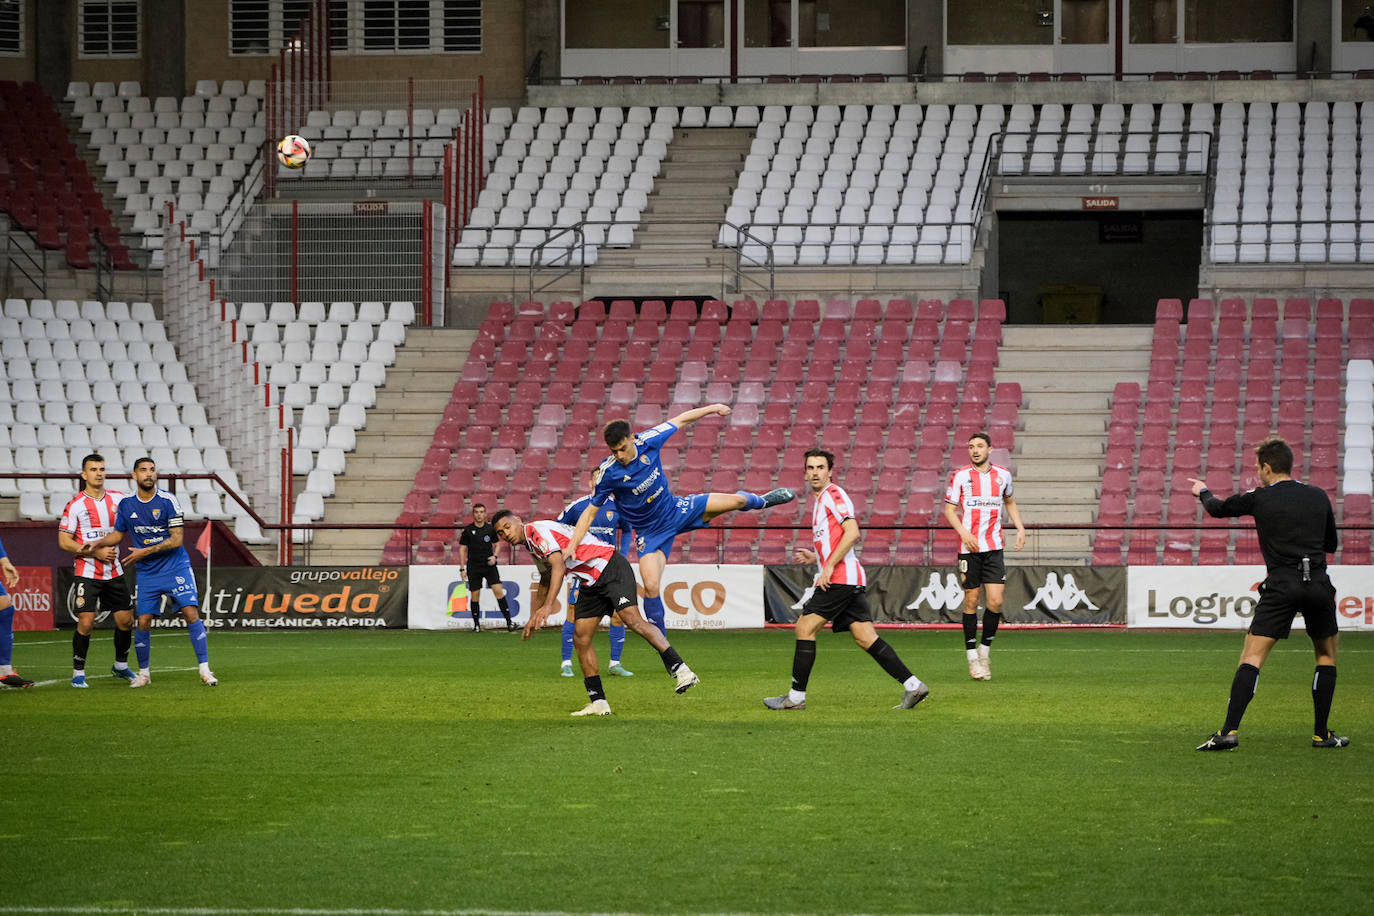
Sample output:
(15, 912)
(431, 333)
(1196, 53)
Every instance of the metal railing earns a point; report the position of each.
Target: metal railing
(29, 260)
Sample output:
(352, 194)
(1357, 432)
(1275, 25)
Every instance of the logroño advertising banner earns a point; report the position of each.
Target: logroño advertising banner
(695, 597)
(279, 597)
(1042, 595)
(1224, 597)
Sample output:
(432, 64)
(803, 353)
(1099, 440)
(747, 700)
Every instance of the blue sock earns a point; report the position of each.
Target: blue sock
(653, 611)
(143, 646)
(751, 500)
(7, 635)
(199, 641)
(567, 641)
(617, 642)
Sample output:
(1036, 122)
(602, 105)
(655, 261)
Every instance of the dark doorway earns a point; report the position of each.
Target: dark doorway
(1085, 268)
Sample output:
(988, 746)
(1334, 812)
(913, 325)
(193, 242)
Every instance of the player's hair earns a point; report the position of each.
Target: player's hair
(93, 456)
(982, 435)
(1275, 453)
(500, 515)
(820, 453)
(476, 506)
(616, 432)
(143, 460)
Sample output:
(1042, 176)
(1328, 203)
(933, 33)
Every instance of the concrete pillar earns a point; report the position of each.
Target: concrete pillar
(925, 30)
(543, 34)
(1312, 34)
(53, 29)
(164, 47)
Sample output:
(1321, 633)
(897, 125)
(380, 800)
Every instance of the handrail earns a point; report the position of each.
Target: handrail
(40, 282)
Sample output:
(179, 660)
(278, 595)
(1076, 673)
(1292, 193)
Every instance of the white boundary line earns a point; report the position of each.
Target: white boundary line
(321, 911)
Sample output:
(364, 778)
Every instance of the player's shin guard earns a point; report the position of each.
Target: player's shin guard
(970, 631)
(593, 685)
(617, 642)
(803, 658)
(7, 635)
(1323, 691)
(653, 612)
(991, 619)
(1242, 690)
(199, 641)
(886, 656)
(143, 647)
(751, 500)
(81, 646)
(505, 608)
(568, 628)
(671, 660)
(123, 639)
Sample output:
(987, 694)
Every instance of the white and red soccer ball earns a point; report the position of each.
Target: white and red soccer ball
(293, 151)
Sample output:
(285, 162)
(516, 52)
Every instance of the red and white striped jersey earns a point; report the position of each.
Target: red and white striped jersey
(547, 537)
(832, 507)
(981, 493)
(88, 519)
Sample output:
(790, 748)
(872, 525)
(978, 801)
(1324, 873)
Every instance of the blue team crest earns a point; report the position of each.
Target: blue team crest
(610, 516)
(156, 514)
(643, 459)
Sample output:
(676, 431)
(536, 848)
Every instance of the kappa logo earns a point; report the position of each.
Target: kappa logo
(806, 596)
(1053, 596)
(624, 601)
(941, 596)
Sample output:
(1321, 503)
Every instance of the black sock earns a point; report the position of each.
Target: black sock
(1242, 689)
(803, 657)
(886, 656)
(1323, 690)
(505, 608)
(81, 646)
(671, 660)
(970, 631)
(123, 639)
(594, 691)
(476, 616)
(990, 621)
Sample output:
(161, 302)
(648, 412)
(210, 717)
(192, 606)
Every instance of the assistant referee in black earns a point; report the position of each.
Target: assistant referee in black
(1296, 529)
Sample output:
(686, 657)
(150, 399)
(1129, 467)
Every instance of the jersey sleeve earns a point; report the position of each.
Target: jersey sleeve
(654, 438)
(1329, 541)
(542, 541)
(176, 519)
(602, 491)
(121, 520)
(1007, 491)
(2, 549)
(571, 513)
(68, 522)
(839, 505)
(1231, 507)
(952, 491)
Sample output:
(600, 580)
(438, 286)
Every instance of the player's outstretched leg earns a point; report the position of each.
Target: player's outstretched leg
(685, 677)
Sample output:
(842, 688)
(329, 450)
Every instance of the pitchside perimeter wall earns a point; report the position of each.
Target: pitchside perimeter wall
(699, 596)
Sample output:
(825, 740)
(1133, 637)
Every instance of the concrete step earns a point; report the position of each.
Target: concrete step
(1087, 424)
(1086, 363)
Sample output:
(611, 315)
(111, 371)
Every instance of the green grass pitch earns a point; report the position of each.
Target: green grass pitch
(412, 772)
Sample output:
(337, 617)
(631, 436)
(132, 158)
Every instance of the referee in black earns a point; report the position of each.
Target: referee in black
(477, 544)
(1296, 529)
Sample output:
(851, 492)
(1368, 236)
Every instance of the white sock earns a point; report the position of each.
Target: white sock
(972, 654)
(121, 666)
(6, 670)
(78, 672)
(984, 651)
(145, 672)
(205, 668)
(911, 683)
(797, 696)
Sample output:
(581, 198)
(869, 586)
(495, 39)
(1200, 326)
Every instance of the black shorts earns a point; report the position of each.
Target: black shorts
(614, 590)
(477, 575)
(842, 605)
(1284, 595)
(977, 569)
(90, 596)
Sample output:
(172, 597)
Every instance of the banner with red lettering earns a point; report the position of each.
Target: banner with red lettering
(1224, 597)
(695, 597)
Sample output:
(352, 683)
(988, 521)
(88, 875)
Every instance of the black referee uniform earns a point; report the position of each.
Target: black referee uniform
(480, 541)
(1297, 529)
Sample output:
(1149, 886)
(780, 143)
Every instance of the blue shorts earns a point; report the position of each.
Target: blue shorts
(178, 584)
(685, 515)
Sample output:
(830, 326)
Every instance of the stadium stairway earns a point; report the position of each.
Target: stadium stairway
(702, 166)
(389, 450)
(1066, 376)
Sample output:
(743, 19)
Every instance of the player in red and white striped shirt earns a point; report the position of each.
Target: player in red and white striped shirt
(838, 593)
(607, 587)
(983, 490)
(88, 517)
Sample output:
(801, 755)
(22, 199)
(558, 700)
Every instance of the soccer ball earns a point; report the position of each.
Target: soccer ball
(293, 151)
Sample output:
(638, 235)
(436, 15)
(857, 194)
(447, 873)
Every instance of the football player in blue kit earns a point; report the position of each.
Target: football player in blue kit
(611, 527)
(9, 578)
(634, 476)
(152, 518)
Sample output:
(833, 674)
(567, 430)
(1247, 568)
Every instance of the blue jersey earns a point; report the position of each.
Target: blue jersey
(149, 524)
(3, 590)
(640, 488)
(608, 524)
